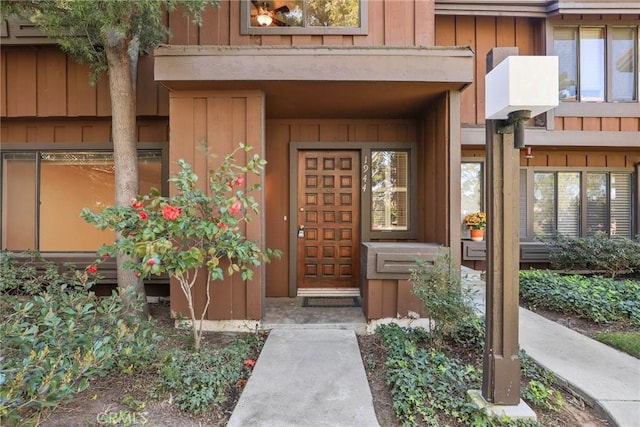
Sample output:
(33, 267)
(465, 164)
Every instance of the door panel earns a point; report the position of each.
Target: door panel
(328, 218)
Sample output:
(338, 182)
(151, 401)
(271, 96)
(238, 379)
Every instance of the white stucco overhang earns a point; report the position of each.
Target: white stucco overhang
(322, 82)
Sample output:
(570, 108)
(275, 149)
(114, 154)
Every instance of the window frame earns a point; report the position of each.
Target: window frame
(38, 148)
(599, 108)
(483, 191)
(529, 172)
(412, 192)
(247, 29)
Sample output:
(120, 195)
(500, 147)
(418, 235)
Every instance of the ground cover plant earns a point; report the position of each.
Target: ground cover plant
(629, 342)
(596, 299)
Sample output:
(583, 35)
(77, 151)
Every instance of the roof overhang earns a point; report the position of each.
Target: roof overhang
(535, 8)
(322, 82)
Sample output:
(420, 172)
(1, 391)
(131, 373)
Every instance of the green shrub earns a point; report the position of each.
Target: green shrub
(55, 341)
(595, 253)
(596, 299)
(198, 381)
(427, 384)
(438, 287)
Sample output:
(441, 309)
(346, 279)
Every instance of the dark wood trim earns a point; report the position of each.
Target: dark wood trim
(245, 28)
(563, 138)
(455, 167)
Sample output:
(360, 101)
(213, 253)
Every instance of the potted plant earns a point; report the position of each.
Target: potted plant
(476, 222)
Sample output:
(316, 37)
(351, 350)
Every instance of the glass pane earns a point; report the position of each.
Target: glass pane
(620, 205)
(565, 47)
(597, 208)
(544, 205)
(471, 178)
(19, 201)
(569, 204)
(71, 181)
(305, 13)
(592, 64)
(623, 67)
(333, 13)
(389, 185)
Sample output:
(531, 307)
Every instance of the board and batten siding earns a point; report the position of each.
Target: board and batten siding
(390, 23)
(204, 127)
(42, 81)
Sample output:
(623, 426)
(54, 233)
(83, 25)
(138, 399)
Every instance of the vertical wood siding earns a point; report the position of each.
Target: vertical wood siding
(482, 33)
(204, 127)
(279, 133)
(41, 81)
(391, 23)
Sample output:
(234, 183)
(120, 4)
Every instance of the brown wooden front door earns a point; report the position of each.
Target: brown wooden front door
(328, 218)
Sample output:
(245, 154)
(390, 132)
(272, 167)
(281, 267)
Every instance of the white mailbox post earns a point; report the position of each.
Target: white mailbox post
(517, 88)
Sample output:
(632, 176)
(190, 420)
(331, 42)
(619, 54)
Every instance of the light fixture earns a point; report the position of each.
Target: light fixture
(515, 125)
(527, 153)
(264, 19)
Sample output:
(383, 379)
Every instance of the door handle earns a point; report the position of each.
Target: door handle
(301, 231)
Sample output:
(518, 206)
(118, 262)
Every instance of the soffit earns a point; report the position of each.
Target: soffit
(322, 82)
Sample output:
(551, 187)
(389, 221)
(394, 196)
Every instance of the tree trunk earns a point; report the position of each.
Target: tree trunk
(123, 107)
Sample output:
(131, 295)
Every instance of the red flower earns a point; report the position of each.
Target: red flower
(240, 180)
(143, 215)
(92, 269)
(152, 261)
(235, 208)
(249, 363)
(171, 213)
(105, 256)
(136, 274)
(222, 225)
(135, 204)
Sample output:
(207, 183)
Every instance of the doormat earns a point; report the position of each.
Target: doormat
(331, 302)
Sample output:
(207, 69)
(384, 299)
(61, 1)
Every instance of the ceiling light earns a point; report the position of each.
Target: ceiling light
(264, 20)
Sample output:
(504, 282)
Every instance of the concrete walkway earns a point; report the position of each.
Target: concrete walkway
(607, 378)
(307, 377)
(312, 374)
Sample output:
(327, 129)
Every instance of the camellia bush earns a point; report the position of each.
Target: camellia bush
(192, 232)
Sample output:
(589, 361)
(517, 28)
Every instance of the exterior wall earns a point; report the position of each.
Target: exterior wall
(205, 125)
(277, 180)
(482, 33)
(390, 23)
(42, 81)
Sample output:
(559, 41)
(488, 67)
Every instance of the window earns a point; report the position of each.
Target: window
(472, 190)
(303, 17)
(580, 204)
(43, 193)
(389, 201)
(597, 63)
(389, 185)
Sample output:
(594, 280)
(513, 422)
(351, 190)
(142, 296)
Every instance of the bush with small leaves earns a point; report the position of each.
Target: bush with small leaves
(56, 340)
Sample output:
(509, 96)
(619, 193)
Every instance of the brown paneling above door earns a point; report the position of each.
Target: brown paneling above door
(328, 218)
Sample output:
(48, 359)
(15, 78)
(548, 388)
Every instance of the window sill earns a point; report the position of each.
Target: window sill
(597, 109)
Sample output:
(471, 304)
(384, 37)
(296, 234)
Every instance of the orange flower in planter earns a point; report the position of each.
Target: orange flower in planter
(476, 220)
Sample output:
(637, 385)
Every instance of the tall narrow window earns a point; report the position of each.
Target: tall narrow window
(624, 74)
(19, 195)
(389, 190)
(472, 185)
(592, 64)
(565, 45)
(568, 203)
(544, 205)
(620, 200)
